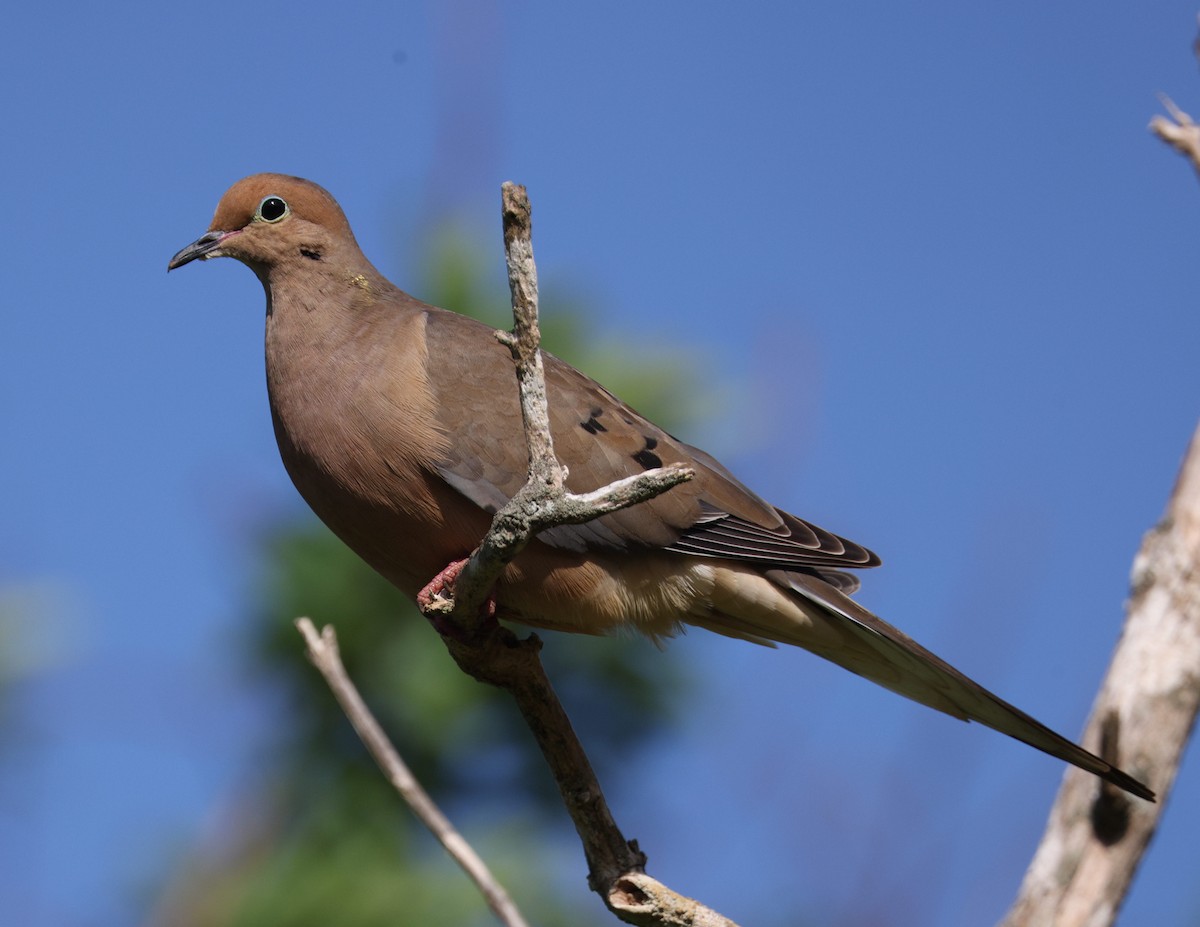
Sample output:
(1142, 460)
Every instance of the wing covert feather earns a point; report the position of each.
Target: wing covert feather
(601, 439)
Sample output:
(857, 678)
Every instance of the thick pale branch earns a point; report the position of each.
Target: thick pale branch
(1146, 709)
(1141, 720)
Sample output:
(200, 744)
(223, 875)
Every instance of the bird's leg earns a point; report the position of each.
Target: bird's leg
(441, 586)
(441, 589)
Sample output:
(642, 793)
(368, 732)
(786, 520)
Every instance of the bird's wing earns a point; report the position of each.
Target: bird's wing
(601, 439)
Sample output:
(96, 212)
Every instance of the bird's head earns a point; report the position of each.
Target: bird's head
(266, 220)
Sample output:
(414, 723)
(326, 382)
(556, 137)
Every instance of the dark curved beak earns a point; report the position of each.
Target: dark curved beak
(202, 248)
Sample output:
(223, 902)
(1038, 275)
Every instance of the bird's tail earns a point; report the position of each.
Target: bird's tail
(801, 609)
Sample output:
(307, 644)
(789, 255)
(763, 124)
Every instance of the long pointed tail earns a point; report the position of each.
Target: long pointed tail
(799, 609)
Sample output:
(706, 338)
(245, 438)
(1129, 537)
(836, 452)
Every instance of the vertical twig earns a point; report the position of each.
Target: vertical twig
(543, 501)
(493, 654)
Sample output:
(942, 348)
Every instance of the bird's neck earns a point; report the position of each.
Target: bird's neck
(324, 318)
(344, 350)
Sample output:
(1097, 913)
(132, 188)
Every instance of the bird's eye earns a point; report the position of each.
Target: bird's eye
(271, 209)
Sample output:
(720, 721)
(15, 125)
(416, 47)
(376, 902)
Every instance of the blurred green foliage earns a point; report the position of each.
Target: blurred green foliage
(323, 839)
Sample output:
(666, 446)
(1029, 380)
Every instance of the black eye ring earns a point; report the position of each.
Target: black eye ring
(272, 209)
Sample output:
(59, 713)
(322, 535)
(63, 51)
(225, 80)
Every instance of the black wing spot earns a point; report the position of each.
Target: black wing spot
(592, 425)
(646, 456)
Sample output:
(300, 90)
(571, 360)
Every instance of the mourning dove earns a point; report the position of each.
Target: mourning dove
(399, 424)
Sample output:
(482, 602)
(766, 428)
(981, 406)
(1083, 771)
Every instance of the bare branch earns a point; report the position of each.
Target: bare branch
(544, 500)
(1142, 719)
(638, 899)
(494, 655)
(1146, 708)
(1183, 134)
(525, 340)
(323, 651)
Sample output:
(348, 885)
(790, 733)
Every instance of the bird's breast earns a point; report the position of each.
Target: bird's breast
(356, 429)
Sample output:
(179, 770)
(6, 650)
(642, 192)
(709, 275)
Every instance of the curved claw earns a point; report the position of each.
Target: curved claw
(440, 591)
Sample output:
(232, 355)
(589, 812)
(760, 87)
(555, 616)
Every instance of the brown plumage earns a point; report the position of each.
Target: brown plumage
(399, 424)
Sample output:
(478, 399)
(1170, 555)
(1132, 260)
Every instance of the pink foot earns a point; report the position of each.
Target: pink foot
(441, 587)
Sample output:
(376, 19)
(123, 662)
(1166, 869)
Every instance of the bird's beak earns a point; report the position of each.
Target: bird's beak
(203, 248)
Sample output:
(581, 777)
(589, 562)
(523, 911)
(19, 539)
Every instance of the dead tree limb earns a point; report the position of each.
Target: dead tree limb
(1146, 710)
(1142, 718)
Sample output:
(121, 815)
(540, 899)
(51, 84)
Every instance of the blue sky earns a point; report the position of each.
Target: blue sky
(942, 279)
